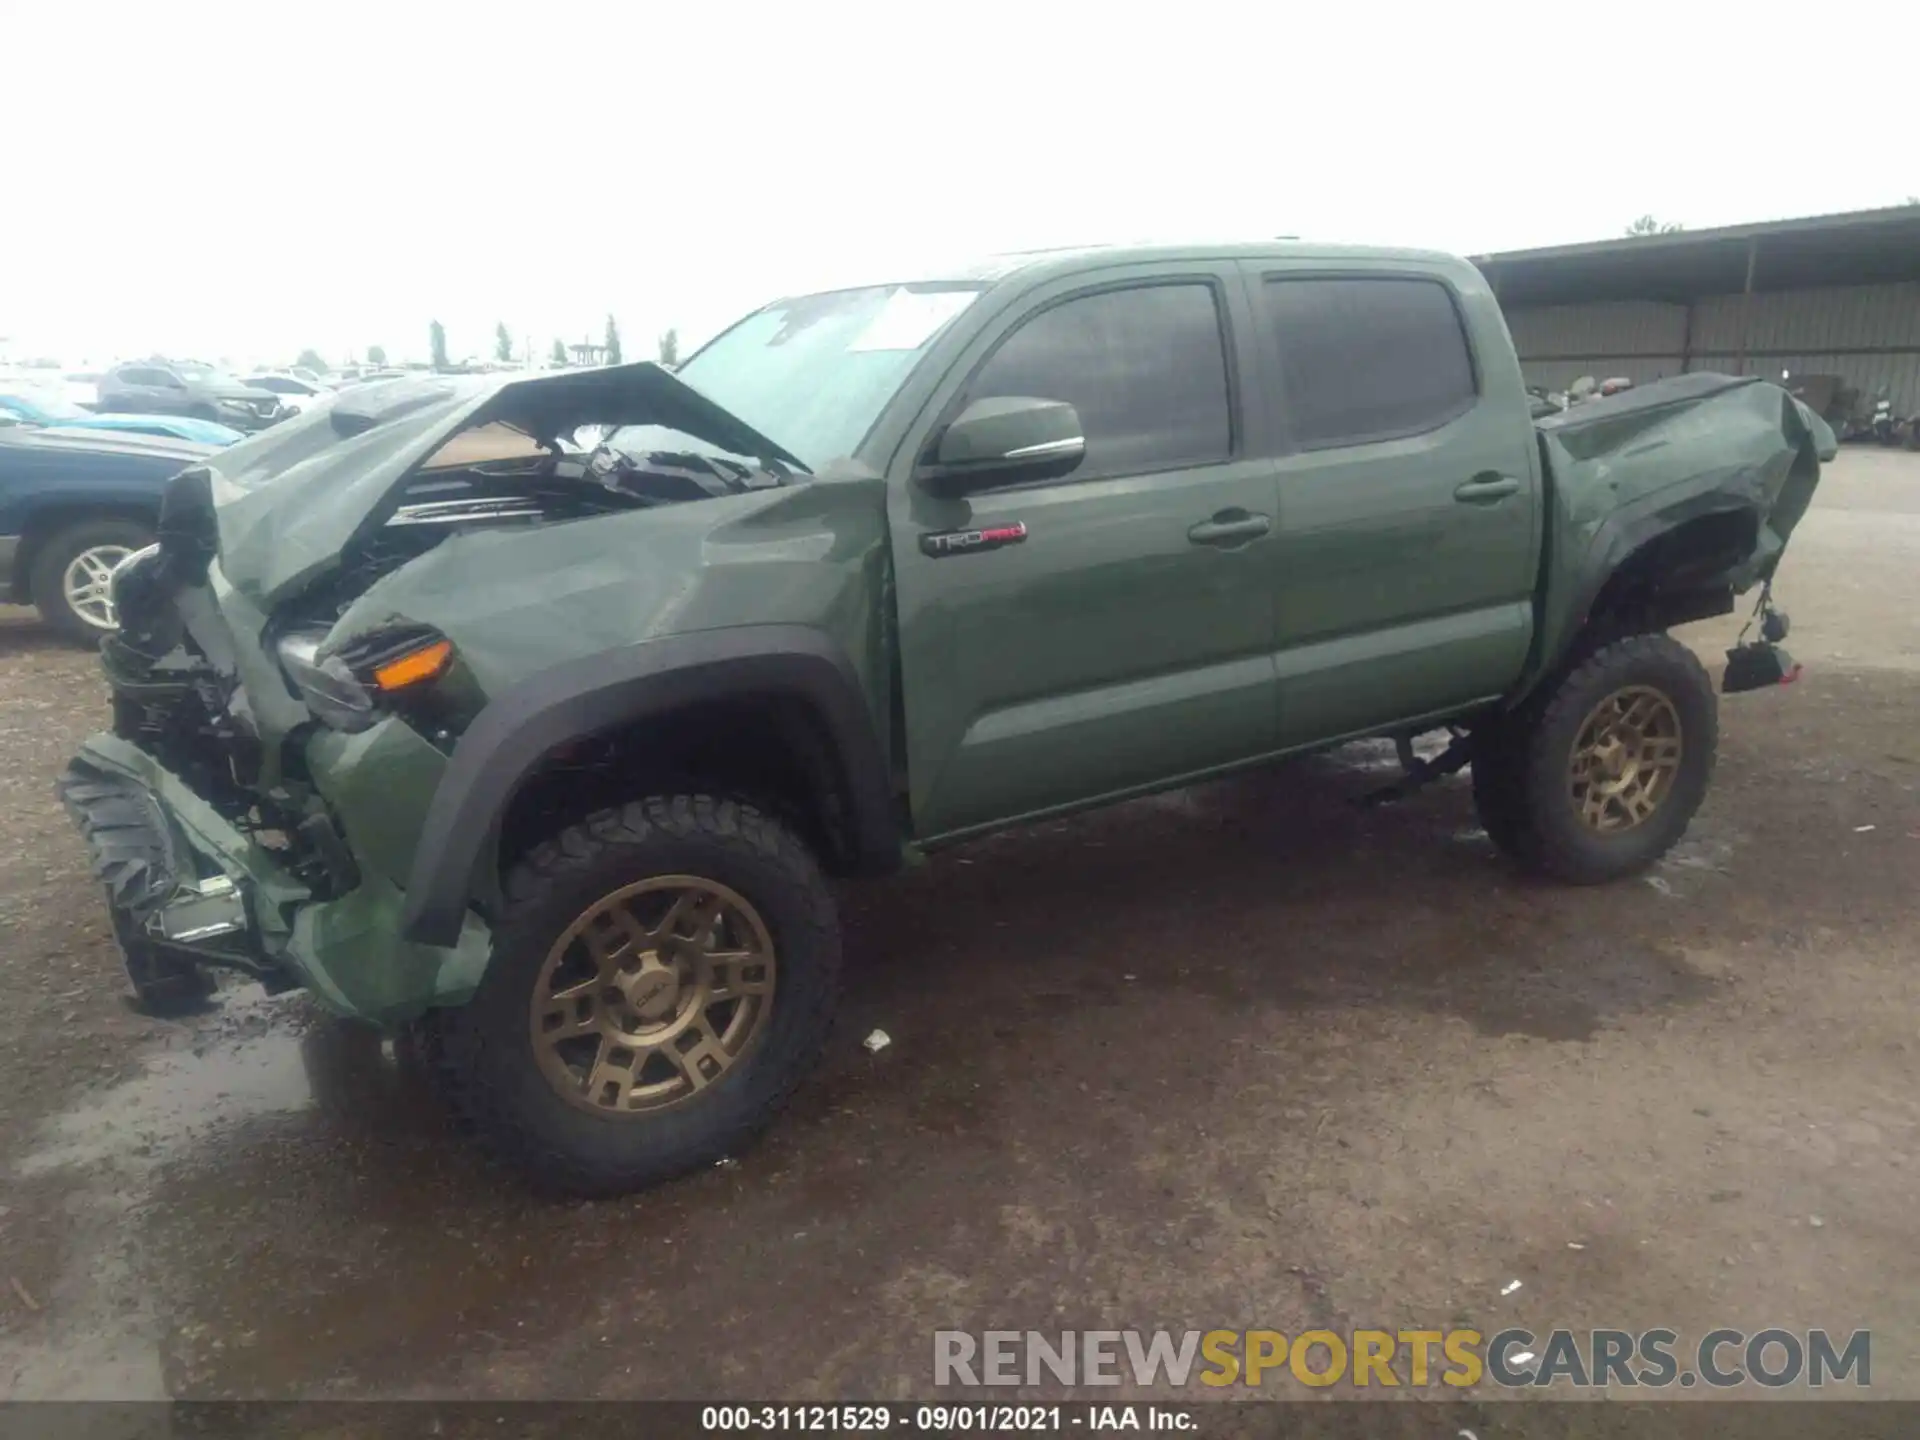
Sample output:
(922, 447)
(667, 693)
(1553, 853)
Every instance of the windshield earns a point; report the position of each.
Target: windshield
(204, 374)
(813, 373)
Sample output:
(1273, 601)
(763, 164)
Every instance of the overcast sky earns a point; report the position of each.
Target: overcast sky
(247, 180)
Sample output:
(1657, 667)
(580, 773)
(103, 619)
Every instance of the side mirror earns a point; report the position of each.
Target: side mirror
(1006, 440)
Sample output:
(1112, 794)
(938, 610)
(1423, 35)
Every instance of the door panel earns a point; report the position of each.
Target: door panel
(1405, 563)
(1107, 650)
(1128, 638)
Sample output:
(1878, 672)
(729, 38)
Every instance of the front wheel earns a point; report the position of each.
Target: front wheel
(663, 978)
(1599, 777)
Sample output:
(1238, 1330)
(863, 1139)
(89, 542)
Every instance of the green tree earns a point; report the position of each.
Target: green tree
(559, 352)
(502, 342)
(437, 345)
(670, 348)
(1647, 225)
(310, 360)
(376, 355)
(613, 342)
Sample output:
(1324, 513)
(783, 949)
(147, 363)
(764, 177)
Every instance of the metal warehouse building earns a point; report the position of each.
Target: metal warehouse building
(1832, 294)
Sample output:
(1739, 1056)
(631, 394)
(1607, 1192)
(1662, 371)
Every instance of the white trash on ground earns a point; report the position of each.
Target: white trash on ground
(877, 1041)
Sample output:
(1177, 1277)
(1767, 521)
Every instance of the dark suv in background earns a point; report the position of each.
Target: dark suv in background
(185, 387)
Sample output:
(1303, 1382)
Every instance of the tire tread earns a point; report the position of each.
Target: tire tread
(456, 1047)
(1525, 769)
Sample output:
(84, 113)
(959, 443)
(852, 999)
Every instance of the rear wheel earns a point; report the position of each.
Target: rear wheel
(662, 979)
(70, 575)
(1600, 776)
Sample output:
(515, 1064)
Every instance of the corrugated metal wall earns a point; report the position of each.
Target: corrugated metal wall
(1639, 339)
(1811, 332)
(1870, 334)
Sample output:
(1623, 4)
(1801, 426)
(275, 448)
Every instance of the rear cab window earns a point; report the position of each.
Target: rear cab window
(1366, 358)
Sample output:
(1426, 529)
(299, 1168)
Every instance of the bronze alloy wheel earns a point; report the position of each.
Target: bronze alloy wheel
(652, 994)
(1626, 759)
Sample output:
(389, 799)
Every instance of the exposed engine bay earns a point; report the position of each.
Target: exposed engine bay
(178, 688)
(555, 483)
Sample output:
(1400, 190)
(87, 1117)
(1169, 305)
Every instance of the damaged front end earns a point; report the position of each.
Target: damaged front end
(257, 803)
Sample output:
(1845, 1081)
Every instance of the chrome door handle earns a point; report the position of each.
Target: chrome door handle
(1230, 527)
(1486, 487)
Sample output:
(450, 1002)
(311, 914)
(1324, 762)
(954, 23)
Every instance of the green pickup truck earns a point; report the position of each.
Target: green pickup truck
(538, 714)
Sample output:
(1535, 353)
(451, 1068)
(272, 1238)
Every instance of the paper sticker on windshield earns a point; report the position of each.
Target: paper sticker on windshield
(910, 319)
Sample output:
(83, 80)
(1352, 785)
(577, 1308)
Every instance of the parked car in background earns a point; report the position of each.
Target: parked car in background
(184, 387)
(39, 406)
(82, 388)
(72, 506)
(170, 427)
(54, 413)
(295, 393)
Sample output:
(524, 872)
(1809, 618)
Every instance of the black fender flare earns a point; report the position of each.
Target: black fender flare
(515, 731)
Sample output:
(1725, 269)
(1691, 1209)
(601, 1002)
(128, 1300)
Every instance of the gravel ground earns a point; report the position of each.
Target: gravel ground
(1239, 1055)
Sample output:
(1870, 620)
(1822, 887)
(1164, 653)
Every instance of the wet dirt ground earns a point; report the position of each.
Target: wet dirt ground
(1241, 1055)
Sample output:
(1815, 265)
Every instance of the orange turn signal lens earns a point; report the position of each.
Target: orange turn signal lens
(429, 662)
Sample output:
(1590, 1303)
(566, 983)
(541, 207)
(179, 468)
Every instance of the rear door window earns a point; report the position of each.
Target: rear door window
(1366, 358)
(1146, 367)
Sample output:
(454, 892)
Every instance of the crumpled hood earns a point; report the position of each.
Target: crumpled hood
(290, 500)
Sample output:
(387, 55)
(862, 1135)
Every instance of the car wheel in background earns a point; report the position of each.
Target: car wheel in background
(68, 580)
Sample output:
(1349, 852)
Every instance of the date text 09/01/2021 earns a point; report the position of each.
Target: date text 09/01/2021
(944, 1419)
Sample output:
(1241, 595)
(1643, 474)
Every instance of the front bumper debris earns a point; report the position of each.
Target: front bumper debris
(182, 876)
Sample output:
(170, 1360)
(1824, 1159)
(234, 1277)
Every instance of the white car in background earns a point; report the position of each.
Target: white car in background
(295, 393)
(79, 388)
(82, 388)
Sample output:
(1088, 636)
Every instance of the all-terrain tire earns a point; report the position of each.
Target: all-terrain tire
(1521, 781)
(483, 1052)
(46, 580)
